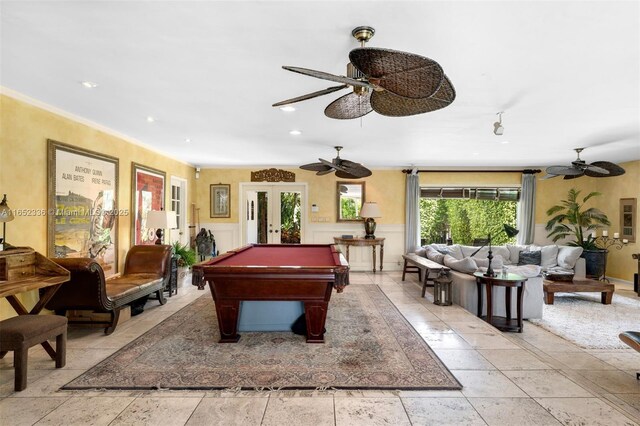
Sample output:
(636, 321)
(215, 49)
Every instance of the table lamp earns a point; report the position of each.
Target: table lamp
(6, 215)
(369, 211)
(161, 219)
(511, 232)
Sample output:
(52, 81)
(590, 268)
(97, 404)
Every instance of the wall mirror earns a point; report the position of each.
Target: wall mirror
(350, 196)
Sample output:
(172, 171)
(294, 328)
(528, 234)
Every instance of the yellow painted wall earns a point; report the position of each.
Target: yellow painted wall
(386, 187)
(620, 264)
(23, 170)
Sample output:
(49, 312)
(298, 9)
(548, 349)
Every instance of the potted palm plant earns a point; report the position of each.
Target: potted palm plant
(570, 220)
(186, 256)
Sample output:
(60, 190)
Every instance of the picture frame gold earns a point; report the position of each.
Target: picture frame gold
(147, 193)
(82, 205)
(220, 200)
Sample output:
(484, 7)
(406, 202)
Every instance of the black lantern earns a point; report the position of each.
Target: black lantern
(442, 289)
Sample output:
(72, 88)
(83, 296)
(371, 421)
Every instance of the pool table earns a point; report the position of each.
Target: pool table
(304, 272)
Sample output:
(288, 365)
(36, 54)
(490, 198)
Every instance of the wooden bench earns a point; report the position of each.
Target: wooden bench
(418, 264)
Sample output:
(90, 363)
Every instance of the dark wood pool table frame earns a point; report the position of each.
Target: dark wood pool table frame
(311, 285)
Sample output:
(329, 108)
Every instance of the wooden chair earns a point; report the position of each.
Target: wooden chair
(632, 338)
(19, 333)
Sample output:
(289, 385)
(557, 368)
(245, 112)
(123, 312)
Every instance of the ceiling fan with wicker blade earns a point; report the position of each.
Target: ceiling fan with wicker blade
(390, 82)
(344, 169)
(579, 168)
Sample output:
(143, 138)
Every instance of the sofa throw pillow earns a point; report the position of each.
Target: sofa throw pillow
(514, 253)
(568, 256)
(530, 257)
(502, 251)
(549, 255)
(436, 256)
(456, 251)
(496, 263)
(466, 265)
(422, 251)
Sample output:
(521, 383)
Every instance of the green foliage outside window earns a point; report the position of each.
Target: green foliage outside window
(465, 220)
(290, 215)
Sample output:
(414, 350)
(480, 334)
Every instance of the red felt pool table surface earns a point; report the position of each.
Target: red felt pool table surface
(295, 272)
(282, 256)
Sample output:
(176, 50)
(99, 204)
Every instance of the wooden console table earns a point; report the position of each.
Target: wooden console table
(23, 269)
(508, 281)
(371, 242)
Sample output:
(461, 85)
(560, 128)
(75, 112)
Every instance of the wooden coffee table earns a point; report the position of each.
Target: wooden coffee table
(578, 285)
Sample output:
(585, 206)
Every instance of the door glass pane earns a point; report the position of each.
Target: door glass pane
(262, 216)
(290, 216)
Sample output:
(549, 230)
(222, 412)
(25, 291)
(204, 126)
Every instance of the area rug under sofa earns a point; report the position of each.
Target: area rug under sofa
(369, 345)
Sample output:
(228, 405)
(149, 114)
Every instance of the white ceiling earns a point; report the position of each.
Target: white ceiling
(566, 73)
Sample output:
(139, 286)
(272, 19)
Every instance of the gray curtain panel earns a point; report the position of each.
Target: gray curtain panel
(412, 213)
(527, 209)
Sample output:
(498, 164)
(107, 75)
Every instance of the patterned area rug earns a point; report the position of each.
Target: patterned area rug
(583, 320)
(368, 345)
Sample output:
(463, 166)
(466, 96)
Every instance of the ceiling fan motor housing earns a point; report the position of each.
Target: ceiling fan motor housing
(355, 73)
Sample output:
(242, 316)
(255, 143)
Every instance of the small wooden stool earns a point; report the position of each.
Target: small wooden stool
(19, 333)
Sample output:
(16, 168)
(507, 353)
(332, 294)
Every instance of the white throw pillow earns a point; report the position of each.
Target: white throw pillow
(496, 263)
(467, 251)
(456, 251)
(422, 251)
(466, 265)
(502, 251)
(568, 256)
(548, 255)
(434, 255)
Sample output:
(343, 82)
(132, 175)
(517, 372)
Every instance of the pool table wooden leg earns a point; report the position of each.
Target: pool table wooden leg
(227, 311)
(316, 315)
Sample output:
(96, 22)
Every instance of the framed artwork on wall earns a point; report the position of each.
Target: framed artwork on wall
(147, 192)
(628, 218)
(82, 202)
(220, 200)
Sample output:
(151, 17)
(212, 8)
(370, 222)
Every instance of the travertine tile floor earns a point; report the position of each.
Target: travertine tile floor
(533, 378)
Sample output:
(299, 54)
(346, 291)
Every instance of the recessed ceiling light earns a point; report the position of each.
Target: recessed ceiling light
(288, 108)
(295, 132)
(89, 84)
(150, 119)
(476, 153)
(504, 142)
(187, 140)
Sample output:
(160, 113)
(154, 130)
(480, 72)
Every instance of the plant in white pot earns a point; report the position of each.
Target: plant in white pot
(570, 220)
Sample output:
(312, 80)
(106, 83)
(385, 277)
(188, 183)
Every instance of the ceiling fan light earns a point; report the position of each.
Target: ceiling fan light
(287, 108)
(498, 129)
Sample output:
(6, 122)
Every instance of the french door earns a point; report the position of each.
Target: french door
(273, 213)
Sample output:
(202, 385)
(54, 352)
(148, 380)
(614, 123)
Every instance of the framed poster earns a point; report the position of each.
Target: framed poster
(82, 201)
(147, 192)
(220, 200)
(628, 219)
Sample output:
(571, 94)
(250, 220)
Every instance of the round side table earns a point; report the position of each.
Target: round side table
(508, 281)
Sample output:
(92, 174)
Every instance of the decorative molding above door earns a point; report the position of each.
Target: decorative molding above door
(273, 175)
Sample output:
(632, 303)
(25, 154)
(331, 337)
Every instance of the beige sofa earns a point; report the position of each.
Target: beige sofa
(464, 288)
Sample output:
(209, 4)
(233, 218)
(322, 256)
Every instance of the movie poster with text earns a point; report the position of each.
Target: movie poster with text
(86, 212)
